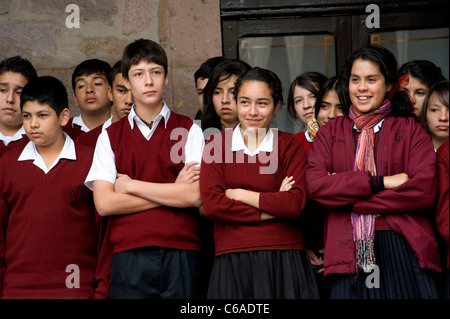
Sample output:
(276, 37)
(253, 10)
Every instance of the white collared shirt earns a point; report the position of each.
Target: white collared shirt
(376, 128)
(17, 136)
(238, 144)
(30, 153)
(78, 120)
(103, 164)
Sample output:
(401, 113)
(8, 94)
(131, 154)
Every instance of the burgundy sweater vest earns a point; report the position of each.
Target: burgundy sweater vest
(48, 222)
(151, 161)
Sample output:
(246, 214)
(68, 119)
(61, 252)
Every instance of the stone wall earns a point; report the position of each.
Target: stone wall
(41, 31)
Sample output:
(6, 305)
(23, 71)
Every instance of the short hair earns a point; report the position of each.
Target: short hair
(206, 68)
(441, 90)
(143, 50)
(116, 69)
(268, 77)
(45, 90)
(311, 81)
(20, 65)
(339, 85)
(92, 66)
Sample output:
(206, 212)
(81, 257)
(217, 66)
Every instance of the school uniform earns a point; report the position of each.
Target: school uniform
(157, 155)
(306, 140)
(90, 138)
(51, 240)
(256, 259)
(7, 141)
(75, 127)
(403, 227)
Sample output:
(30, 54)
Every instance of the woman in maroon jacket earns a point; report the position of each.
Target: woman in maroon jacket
(375, 173)
(258, 245)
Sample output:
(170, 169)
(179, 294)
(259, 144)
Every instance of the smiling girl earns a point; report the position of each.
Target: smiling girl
(259, 247)
(374, 172)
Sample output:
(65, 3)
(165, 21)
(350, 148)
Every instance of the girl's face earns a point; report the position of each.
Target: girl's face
(437, 119)
(417, 91)
(255, 105)
(367, 86)
(330, 108)
(304, 101)
(224, 103)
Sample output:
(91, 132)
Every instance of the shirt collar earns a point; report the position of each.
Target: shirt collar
(376, 128)
(78, 120)
(237, 142)
(30, 153)
(17, 136)
(145, 130)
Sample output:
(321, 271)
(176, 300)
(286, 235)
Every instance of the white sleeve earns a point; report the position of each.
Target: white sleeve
(103, 164)
(194, 144)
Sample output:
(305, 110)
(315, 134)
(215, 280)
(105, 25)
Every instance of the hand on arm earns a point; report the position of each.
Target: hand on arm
(184, 192)
(391, 182)
(251, 198)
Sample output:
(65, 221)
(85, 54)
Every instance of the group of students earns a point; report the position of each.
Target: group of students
(132, 200)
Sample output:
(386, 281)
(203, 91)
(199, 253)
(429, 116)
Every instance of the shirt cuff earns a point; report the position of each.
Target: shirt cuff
(376, 183)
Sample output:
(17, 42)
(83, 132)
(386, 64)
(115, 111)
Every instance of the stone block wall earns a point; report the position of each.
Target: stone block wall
(40, 30)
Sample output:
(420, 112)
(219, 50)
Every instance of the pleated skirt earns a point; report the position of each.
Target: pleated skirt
(397, 275)
(263, 274)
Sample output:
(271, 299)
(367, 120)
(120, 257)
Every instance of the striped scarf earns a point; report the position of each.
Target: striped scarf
(364, 224)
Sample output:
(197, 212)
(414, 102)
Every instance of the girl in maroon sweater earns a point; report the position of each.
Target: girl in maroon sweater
(259, 248)
(375, 174)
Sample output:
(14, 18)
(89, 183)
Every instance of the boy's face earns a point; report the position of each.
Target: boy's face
(11, 85)
(121, 97)
(147, 81)
(91, 93)
(42, 125)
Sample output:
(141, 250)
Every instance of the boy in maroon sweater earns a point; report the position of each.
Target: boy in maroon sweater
(153, 223)
(15, 72)
(50, 237)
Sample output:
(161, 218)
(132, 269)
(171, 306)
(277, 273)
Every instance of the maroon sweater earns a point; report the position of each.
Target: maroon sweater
(403, 147)
(237, 226)
(73, 130)
(23, 141)
(47, 222)
(443, 197)
(150, 161)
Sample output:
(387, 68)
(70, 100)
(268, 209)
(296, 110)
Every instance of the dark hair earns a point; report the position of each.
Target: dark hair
(45, 90)
(92, 66)
(425, 71)
(311, 81)
(266, 76)
(225, 69)
(339, 85)
(387, 64)
(206, 68)
(441, 90)
(143, 50)
(20, 65)
(116, 69)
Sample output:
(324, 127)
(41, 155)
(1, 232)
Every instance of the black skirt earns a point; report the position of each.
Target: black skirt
(397, 276)
(263, 274)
